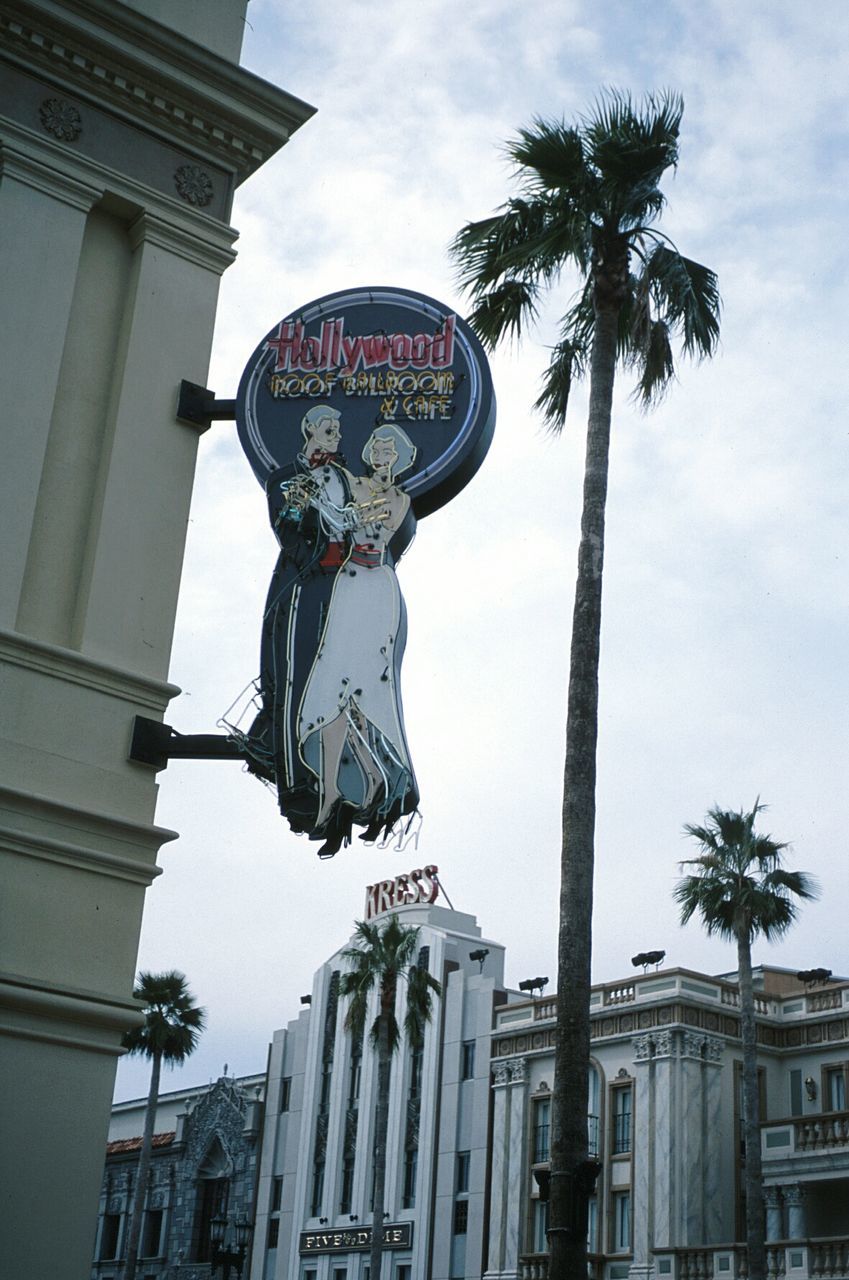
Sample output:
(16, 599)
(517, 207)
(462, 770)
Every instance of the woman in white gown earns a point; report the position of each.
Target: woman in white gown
(351, 727)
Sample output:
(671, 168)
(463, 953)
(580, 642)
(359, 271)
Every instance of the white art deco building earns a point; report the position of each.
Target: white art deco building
(313, 1208)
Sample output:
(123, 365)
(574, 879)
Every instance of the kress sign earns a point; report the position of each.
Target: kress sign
(420, 887)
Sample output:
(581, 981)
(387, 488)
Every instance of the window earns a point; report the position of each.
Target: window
(213, 1196)
(152, 1234)
(285, 1092)
(411, 1159)
(467, 1067)
(310, 1274)
(835, 1089)
(404, 1271)
(109, 1235)
(621, 1221)
(539, 1226)
(317, 1189)
(592, 1225)
(464, 1162)
(340, 1273)
(592, 1112)
(621, 1109)
(273, 1232)
(542, 1131)
(347, 1184)
(461, 1217)
(276, 1195)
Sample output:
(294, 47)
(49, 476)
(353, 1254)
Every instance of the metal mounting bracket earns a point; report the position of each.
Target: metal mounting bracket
(198, 407)
(154, 743)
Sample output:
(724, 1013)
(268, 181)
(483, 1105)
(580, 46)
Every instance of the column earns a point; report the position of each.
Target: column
(772, 1201)
(642, 1159)
(508, 1175)
(794, 1197)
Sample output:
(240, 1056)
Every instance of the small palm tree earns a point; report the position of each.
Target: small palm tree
(589, 197)
(741, 891)
(384, 955)
(169, 1033)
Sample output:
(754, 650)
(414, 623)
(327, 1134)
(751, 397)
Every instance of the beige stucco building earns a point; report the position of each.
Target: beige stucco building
(125, 127)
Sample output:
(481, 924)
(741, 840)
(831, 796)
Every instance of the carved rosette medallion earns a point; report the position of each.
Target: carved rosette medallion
(61, 118)
(193, 185)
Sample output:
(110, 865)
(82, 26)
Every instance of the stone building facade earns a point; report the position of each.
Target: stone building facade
(665, 1123)
(205, 1164)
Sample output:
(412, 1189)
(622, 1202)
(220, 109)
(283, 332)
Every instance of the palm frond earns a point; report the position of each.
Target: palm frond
(568, 361)
(503, 311)
(632, 145)
(554, 154)
(687, 295)
(656, 364)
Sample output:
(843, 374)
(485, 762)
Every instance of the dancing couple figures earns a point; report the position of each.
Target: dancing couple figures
(330, 732)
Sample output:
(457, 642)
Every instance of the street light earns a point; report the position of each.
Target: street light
(232, 1258)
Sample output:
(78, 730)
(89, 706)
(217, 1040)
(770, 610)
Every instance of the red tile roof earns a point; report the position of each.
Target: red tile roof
(123, 1145)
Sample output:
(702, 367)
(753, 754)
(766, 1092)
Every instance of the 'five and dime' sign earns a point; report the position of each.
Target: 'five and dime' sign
(397, 1235)
(416, 887)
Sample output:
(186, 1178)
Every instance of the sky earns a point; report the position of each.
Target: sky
(724, 633)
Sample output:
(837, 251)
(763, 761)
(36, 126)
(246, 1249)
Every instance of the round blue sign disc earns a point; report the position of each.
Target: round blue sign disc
(372, 356)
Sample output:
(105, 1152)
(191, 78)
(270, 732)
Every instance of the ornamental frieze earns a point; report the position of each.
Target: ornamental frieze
(714, 1022)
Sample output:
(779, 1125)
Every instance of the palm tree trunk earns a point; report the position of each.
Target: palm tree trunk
(755, 1212)
(381, 1120)
(142, 1172)
(569, 1192)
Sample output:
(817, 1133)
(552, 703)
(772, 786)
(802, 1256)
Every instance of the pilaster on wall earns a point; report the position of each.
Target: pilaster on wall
(508, 1194)
(676, 1146)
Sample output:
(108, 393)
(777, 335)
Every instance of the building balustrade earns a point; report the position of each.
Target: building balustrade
(824, 1000)
(622, 993)
(731, 997)
(534, 1266)
(810, 1135)
(826, 1259)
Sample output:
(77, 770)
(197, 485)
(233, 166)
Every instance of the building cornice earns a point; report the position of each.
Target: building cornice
(106, 53)
(627, 1023)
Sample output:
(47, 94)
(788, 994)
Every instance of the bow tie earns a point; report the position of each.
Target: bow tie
(321, 457)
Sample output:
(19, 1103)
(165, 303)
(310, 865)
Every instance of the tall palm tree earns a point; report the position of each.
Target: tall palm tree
(385, 955)
(741, 891)
(589, 197)
(169, 1033)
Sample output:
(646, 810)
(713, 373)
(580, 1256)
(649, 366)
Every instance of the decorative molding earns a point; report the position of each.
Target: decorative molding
(712, 1027)
(101, 830)
(29, 845)
(500, 1073)
(149, 229)
(61, 118)
(218, 1116)
(194, 185)
(643, 1048)
(51, 181)
(518, 1070)
(77, 668)
(160, 79)
(795, 1194)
